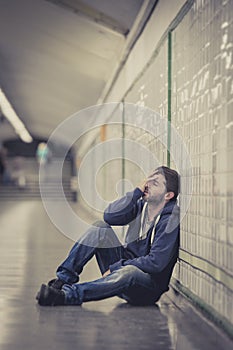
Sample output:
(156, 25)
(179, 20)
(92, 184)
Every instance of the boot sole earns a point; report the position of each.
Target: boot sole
(42, 295)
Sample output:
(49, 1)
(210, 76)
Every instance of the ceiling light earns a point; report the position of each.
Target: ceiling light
(12, 117)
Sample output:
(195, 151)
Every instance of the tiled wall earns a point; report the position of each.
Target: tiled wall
(154, 78)
(150, 91)
(202, 99)
(202, 104)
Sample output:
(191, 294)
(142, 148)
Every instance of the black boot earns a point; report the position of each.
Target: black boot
(49, 296)
(56, 283)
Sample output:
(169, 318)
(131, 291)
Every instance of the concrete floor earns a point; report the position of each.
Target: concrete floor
(31, 248)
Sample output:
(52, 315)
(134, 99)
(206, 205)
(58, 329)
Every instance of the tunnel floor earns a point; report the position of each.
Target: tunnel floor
(31, 248)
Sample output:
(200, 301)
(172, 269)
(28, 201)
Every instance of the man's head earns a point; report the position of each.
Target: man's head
(162, 185)
(172, 179)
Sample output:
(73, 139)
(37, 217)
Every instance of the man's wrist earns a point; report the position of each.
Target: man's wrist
(138, 191)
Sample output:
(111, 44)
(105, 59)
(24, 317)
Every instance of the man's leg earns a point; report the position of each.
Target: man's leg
(128, 282)
(98, 235)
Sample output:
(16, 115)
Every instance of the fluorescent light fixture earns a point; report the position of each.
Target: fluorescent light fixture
(12, 117)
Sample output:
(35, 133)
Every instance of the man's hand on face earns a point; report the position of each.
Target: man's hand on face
(142, 185)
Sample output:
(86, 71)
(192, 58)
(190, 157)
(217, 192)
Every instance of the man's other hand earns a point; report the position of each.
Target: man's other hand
(106, 273)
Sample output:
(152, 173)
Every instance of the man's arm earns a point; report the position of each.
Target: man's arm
(123, 210)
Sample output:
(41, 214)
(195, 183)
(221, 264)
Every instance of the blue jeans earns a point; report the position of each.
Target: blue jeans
(128, 282)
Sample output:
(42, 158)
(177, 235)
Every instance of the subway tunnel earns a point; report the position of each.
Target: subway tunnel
(94, 95)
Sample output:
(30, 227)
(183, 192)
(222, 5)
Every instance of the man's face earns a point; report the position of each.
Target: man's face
(155, 188)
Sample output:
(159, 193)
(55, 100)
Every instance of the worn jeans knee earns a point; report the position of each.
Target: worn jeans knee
(100, 235)
(101, 224)
(134, 275)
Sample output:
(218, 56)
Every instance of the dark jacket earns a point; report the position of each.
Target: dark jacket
(157, 259)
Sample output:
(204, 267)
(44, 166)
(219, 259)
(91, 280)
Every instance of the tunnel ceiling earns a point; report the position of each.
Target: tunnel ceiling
(57, 56)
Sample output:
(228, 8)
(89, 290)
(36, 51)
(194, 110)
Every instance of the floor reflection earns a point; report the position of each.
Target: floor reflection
(121, 327)
(31, 248)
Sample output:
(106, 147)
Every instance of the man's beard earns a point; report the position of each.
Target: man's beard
(156, 200)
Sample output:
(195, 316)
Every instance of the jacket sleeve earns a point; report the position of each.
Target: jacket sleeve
(124, 210)
(161, 252)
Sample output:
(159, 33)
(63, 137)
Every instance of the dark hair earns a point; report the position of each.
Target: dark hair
(172, 179)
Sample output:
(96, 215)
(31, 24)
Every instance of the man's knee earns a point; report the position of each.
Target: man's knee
(96, 233)
(104, 235)
(101, 224)
(127, 275)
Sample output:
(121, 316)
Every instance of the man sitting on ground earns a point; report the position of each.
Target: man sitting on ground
(138, 272)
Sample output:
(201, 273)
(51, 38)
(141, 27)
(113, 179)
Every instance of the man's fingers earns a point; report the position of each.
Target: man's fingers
(142, 185)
